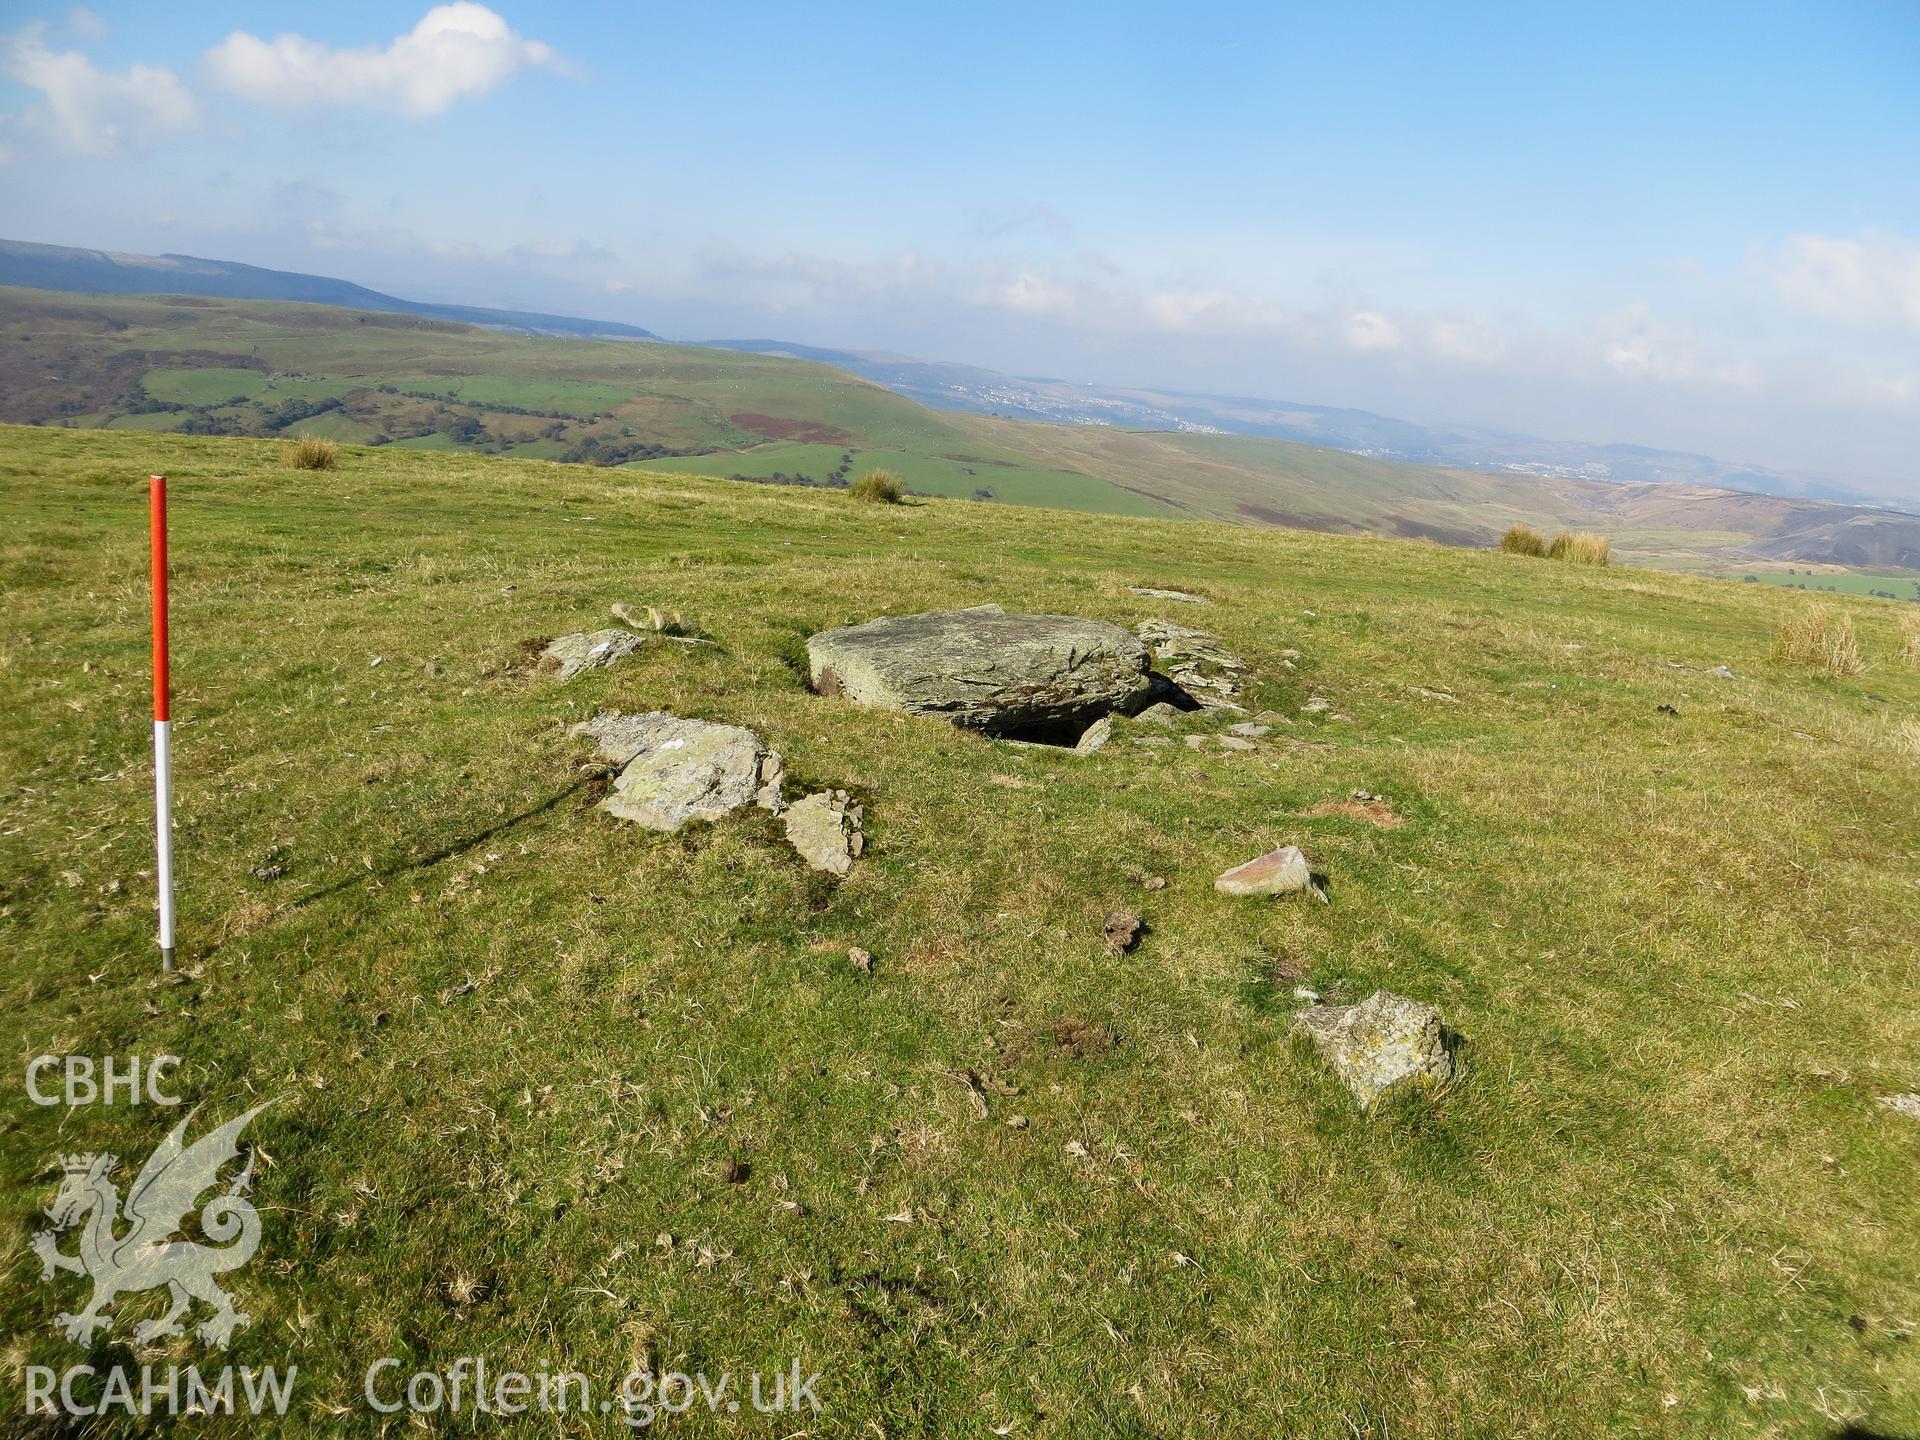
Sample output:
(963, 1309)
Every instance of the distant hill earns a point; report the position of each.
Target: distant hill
(107, 272)
(956, 387)
(949, 386)
(215, 366)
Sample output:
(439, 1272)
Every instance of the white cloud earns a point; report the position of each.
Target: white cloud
(456, 52)
(1634, 344)
(85, 24)
(87, 109)
(1370, 330)
(1029, 294)
(1871, 281)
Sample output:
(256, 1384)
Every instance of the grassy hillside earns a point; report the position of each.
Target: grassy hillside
(251, 368)
(1006, 1179)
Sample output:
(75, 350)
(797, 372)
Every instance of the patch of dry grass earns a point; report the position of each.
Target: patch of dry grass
(878, 487)
(1523, 540)
(1819, 638)
(1580, 548)
(1909, 648)
(310, 453)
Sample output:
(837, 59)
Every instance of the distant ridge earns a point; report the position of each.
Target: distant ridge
(972, 388)
(108, 272)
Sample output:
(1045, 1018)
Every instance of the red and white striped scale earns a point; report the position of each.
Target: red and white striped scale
(162, 720)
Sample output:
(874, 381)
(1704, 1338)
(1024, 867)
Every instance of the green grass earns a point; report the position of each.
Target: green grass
(581, 398)
(1677, 949)
(1009, 482)
(1902, 584)
(213, 385)
(433, 441)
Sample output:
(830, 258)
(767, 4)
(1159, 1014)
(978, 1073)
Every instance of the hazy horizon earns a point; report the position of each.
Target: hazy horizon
(1695, 232)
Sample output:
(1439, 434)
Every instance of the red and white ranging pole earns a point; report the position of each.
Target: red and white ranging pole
(162, 725)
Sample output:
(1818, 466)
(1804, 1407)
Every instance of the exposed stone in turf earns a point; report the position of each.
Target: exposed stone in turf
(1384, 1043)
(1906, 1104)
(1160, 713)
(594, 650)
(1278, 872)
(1196, 661)
(674, 771)
(825, 829)
(1094, 736)
(1184, 597)
(1026, 676)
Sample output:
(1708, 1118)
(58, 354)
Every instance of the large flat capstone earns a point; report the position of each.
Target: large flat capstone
(986, 670)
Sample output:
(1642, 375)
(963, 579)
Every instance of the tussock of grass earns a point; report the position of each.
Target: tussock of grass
(1819, 638)
(309, 453)
(1909, 650)
(1580, 548)
(878, 487)
(1523, 540)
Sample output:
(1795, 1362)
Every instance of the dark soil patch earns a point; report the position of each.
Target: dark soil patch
(1267, 515)
(1083, 1039)
(776, 427)
(1444, 534)
(1375, 812)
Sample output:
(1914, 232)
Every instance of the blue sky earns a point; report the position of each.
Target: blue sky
(1695, 226)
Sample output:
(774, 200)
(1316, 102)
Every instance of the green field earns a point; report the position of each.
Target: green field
(213, 385)
(579, 398)
(1007, 1183)
(1901, 584)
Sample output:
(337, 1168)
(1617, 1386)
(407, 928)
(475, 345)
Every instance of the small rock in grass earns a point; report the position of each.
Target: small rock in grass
(595, 650)
(1278, 872)
(1160, 713)
(1148, 592)
(825, 829)
(1724, 672)
(1122, 929)
(1251, 730)
(1150, 740)
(1095, 735)
(1196, 661)
(1907, 1104)
(1316, 704)
(660, 622)
(674, 770)
(1156, 882)
(1234, 742)
(1197, 742)
(1385, 1042)
(861, 960)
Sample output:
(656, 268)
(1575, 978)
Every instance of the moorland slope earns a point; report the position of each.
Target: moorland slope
(566, 1093)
